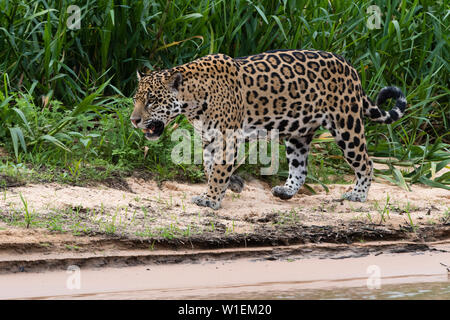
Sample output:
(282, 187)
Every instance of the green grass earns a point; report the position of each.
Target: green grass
(29, 215)
(384, 212)
(64, 94)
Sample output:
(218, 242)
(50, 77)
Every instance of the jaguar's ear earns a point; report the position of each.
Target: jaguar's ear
(139, 75)
(175, 81)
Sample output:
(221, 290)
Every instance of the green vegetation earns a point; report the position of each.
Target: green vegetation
(28, 216)
(65, 94)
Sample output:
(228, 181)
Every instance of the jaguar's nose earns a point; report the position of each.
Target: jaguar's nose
(135, 121)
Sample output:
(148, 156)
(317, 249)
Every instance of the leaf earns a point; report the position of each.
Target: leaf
(58, 76)
(111, 13)
(433, 184)
(85, 142)
(86, 103)
(445, 178)
(310, 189)
(16, 136)
(441, 165)
(55, 141)
(178, 42)
(399, 180)
(192, 16)
(262, 14)
(387, 178)
(75, 134)
(24, 119)
(319, 182)
(399, 37)
(277, 20)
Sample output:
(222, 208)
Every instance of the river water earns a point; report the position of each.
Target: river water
(414, 275)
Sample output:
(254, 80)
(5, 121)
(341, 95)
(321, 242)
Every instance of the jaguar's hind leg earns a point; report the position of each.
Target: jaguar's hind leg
(297, 154)
(236, 183)
(352, 142)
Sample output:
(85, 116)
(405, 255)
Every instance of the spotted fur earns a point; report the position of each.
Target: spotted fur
(293, 91)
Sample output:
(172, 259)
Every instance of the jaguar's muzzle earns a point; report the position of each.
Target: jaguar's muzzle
(154, 129)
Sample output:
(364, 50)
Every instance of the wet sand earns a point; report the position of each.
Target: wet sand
(262, 277)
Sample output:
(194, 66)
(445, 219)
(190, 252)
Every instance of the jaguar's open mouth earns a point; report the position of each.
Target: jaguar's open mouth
(154, 129)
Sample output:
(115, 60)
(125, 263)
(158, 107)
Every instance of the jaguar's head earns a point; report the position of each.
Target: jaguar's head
(156, 101)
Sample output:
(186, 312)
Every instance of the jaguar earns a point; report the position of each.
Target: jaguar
(292, 91)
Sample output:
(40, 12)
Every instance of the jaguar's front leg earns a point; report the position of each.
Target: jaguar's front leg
(236, 183)
(220, 158)
(217, 186)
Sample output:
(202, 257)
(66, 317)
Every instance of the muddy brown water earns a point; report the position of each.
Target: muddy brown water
(379, 275)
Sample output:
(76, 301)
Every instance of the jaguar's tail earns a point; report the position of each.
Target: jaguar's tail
(376, 114)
